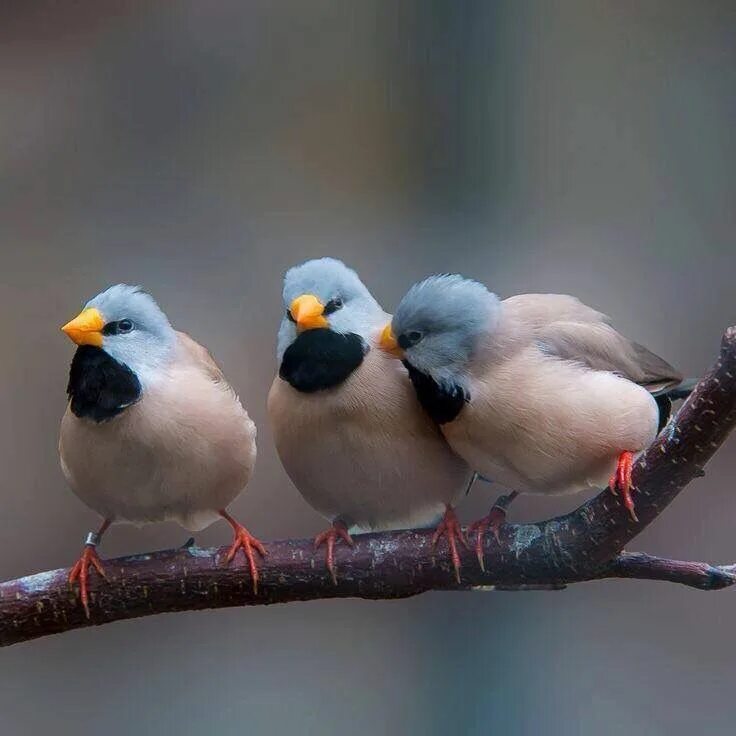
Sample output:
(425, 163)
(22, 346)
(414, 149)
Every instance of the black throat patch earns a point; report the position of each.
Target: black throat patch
(100, 387)
(442, 403)
(320, 359)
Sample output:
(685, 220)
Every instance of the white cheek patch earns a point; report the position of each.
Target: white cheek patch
(145, 354)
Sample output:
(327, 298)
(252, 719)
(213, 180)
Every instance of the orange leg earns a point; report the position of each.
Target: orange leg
(334, 534)
(244, 540)
(88, 559)
(450, 527)
(621, 481)
(495, 519)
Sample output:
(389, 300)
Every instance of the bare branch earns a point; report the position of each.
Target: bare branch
(694, 574)
(583, 545)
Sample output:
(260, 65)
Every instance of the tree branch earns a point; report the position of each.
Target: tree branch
(583, 545)
(693, 574)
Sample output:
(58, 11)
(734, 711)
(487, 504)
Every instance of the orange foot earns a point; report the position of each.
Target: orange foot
(621, 481)
(334, 534)
(450, 528)
(243, 539)
(80, 570)
(495, 519)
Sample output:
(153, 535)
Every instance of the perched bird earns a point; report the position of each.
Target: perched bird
(347, 425)
(537, 392)
(152, 432)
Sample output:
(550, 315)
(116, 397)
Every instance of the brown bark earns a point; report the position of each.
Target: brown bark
(583, 545)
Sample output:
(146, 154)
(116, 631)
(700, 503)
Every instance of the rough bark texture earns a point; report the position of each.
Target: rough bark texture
(583, 545)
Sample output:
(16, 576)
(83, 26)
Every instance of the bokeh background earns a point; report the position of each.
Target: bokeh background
(202, 148)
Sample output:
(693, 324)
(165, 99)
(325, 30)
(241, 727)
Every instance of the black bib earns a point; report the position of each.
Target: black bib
(442, 403)
(321, 359)
(100, 387)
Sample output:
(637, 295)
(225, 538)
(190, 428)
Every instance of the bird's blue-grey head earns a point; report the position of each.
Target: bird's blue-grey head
(129, 326)
(440, 324)
(325, 293)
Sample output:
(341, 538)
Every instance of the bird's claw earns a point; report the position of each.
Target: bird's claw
(329, 537)
(621, 481)
(244, 540)
(450, 528)
(495, 519)
(80, 571)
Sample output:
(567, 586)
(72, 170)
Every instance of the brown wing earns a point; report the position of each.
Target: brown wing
(201, 356)
(565, 327)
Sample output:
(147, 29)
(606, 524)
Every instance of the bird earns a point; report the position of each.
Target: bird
(347, 425)
(152, 431)
(537, 392)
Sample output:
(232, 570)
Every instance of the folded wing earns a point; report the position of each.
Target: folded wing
(565, 327)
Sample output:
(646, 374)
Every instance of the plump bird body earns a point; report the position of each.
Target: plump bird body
(543, 425)
(346, 422)
(152, 432)
(537, 392)
(365, 453)
(182, 452)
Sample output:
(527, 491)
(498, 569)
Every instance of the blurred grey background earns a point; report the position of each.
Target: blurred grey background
(200, 149)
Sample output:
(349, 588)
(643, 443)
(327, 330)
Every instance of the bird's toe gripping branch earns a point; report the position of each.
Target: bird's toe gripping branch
(329, 538)
(243, 539)
(494, 520)
(450, 528)
(621, 481)
(80, 571)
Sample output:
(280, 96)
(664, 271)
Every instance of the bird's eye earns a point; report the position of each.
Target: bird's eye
(118, 328)
(333, 305)
(407, 339)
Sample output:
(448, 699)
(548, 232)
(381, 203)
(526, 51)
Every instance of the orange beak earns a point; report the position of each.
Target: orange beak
(308, 312)
(388, 344)
(86, 328)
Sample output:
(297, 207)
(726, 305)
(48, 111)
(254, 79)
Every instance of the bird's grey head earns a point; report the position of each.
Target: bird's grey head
(129, 326)
(440, 323)
(325, 293)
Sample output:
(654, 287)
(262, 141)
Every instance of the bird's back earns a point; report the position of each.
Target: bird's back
(565, 327)
(555, 396)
